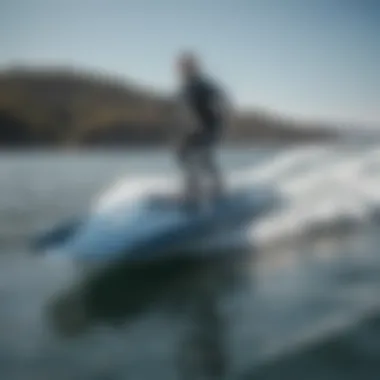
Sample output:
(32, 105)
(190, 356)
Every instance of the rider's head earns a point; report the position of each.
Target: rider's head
(188, 65)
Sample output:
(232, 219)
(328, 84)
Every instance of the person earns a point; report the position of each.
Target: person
(209, 109)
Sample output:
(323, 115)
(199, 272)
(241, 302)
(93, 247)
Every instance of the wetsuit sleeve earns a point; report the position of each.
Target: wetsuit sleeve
(184, 114)
(222, 105)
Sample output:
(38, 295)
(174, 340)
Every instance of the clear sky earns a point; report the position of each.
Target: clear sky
(310, 58)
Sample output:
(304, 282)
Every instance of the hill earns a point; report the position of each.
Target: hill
(62, 107)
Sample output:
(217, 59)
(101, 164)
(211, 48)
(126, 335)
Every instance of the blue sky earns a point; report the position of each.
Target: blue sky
(316, 59)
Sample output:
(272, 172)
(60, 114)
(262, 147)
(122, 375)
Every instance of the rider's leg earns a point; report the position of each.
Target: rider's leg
(210, 168)
(187, 156)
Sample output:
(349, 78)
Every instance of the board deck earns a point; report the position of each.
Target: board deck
(160, 223)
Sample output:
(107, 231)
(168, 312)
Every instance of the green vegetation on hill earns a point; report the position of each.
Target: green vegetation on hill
(52, 107)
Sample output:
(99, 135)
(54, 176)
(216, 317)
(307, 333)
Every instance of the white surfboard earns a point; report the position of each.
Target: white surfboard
(154, 223)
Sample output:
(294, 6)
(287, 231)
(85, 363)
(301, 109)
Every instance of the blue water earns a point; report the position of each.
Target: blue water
(300, 310)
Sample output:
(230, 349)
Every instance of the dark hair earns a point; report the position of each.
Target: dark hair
(188, 59)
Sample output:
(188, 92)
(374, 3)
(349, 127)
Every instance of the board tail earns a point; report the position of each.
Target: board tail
(57, 235)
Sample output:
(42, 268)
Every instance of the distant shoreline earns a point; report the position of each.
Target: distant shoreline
(259, 145)
(58, 108)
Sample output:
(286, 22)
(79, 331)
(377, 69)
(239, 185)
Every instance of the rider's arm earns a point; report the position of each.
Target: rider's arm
(185, 116)
(223, 105)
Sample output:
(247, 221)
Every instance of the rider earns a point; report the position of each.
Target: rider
(209, 110)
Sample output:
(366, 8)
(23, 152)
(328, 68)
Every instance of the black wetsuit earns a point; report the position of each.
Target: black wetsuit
(203, 98)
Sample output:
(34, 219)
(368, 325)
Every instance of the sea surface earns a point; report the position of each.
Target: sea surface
(302, 304)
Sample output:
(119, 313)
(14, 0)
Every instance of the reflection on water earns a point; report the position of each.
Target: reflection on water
(189, 290)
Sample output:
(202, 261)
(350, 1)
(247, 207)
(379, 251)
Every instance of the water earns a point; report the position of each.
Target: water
(232, 318)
